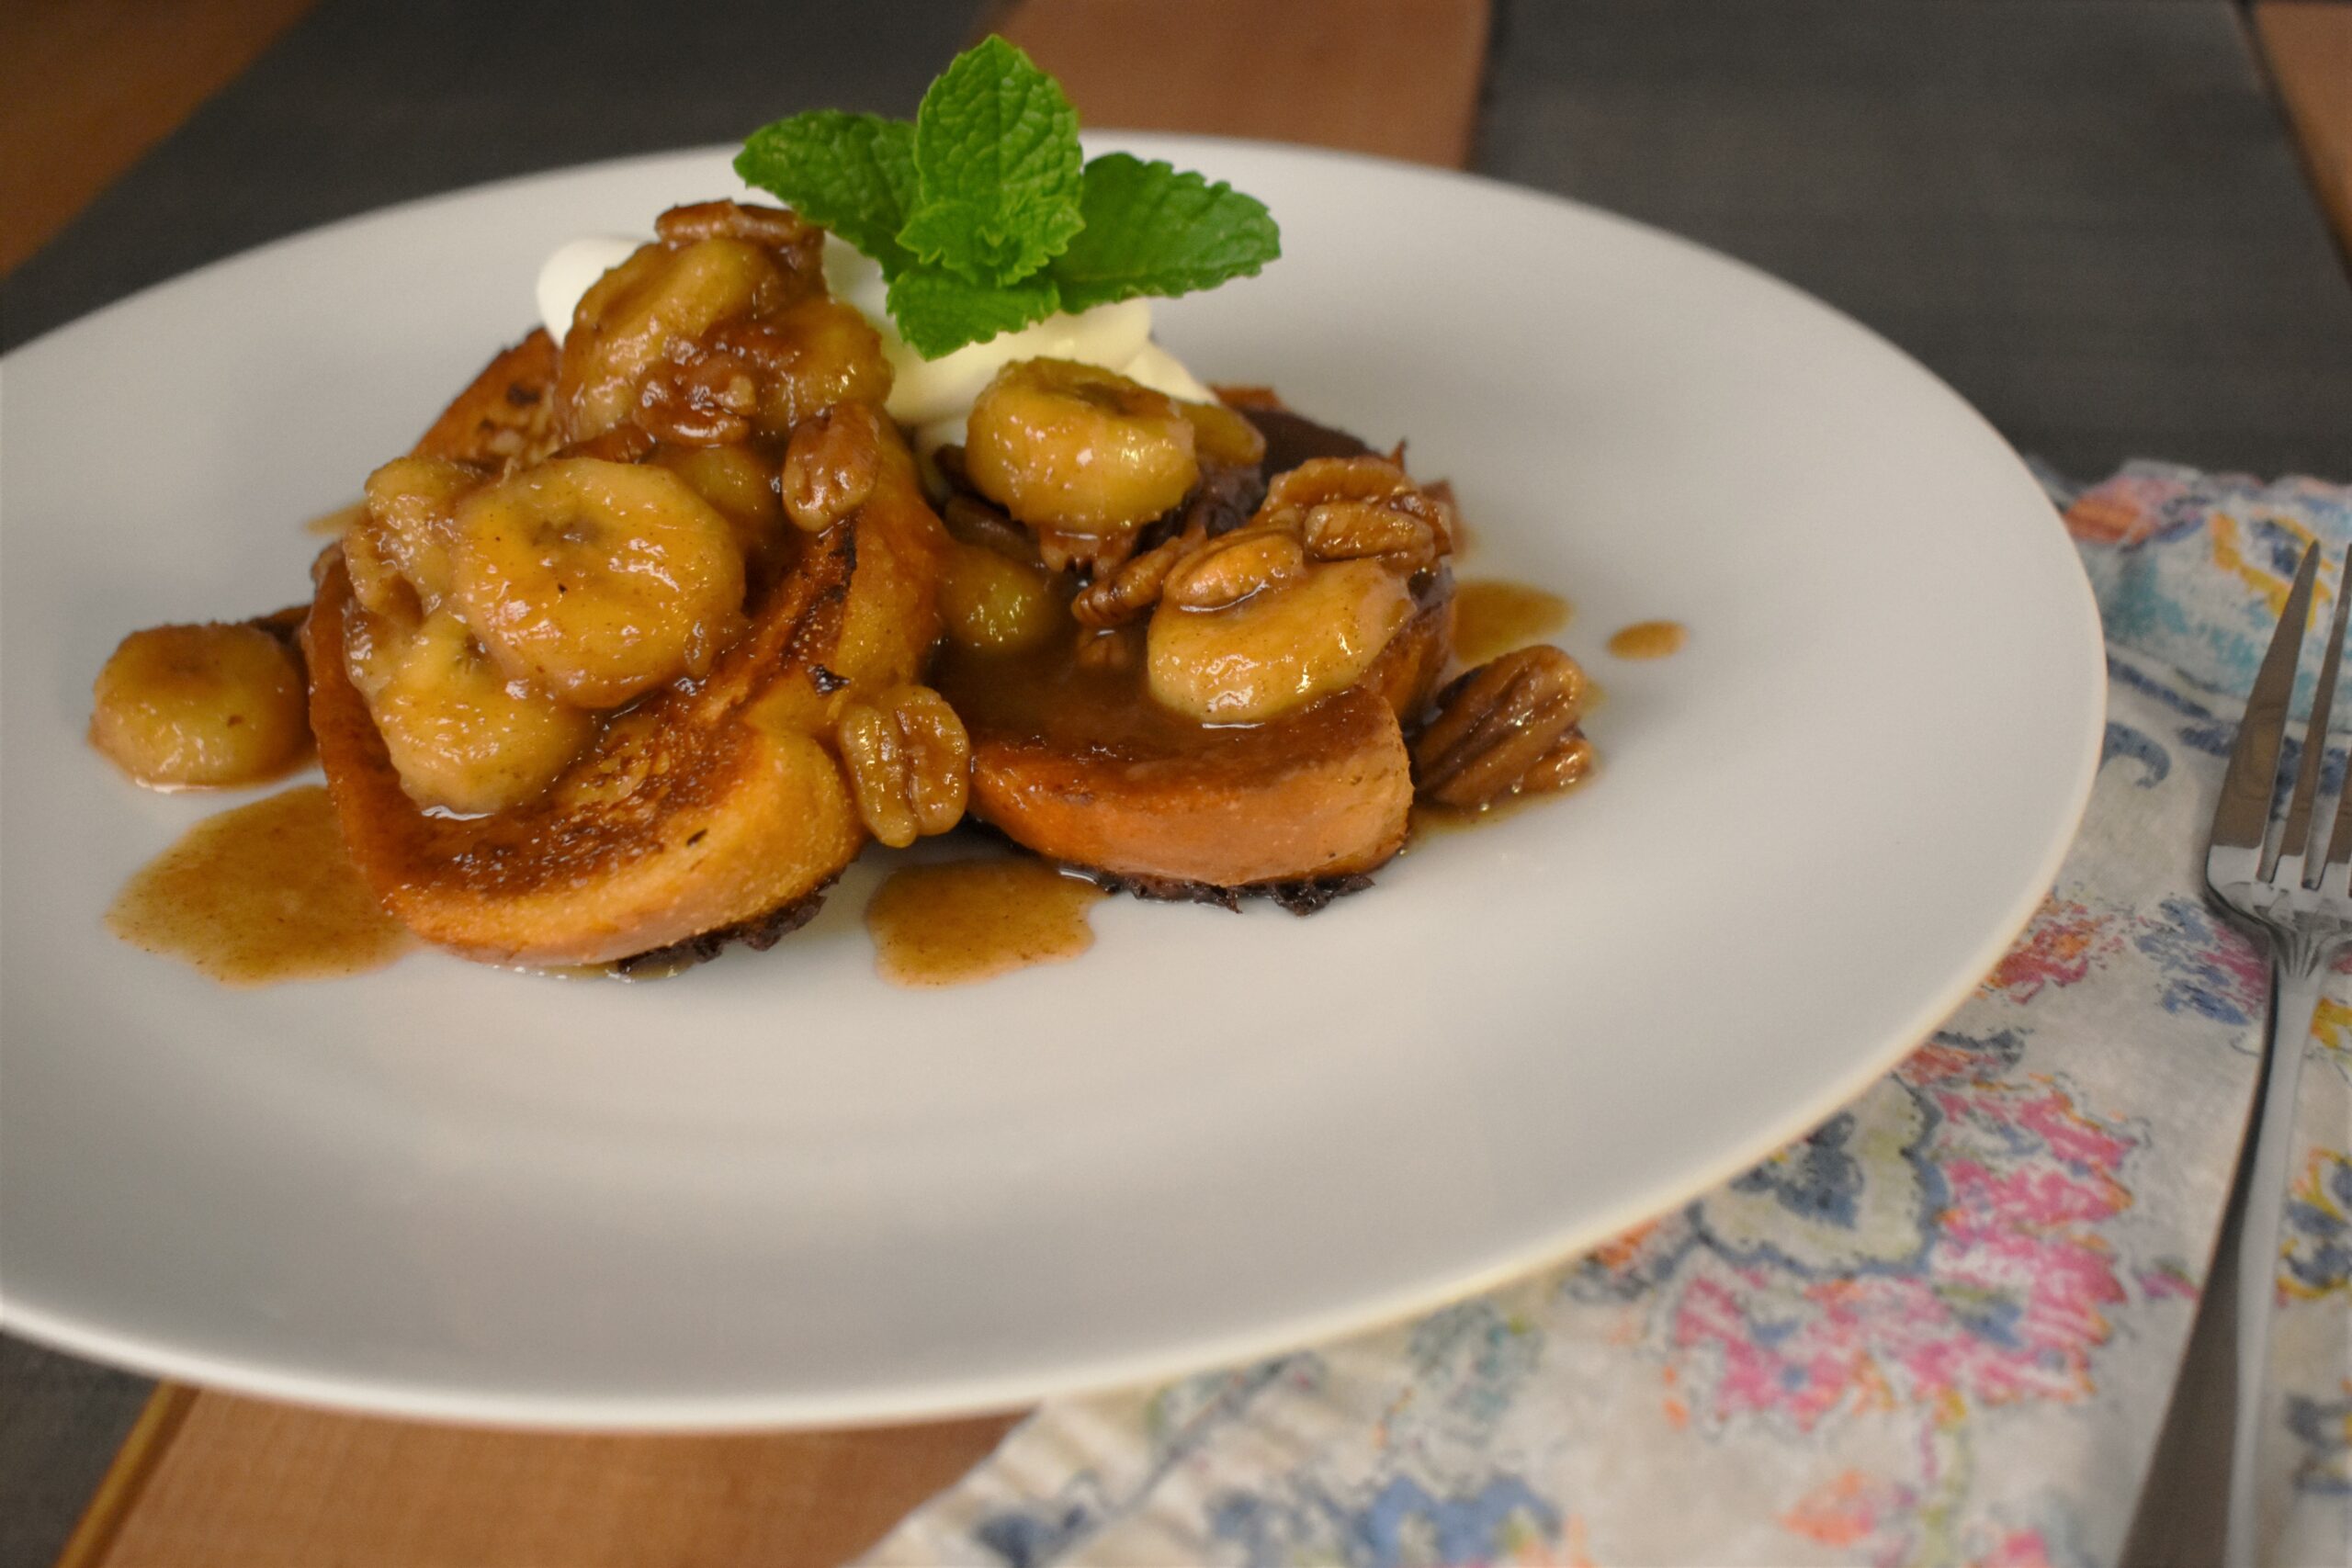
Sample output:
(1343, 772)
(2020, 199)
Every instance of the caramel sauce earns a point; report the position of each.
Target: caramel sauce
(260, 894)
(1493, 615)
(964, 922)
(1090, 694)
(1648, 639)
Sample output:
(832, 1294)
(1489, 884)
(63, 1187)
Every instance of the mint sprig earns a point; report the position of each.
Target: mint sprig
(1152, 229)
(852, 172)
(996, 168)
(983, 216)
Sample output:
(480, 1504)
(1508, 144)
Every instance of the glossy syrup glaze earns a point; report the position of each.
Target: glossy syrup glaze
(963, 922)
(259, 895)
(1494, 616)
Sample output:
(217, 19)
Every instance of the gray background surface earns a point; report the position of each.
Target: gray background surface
(2084, 214)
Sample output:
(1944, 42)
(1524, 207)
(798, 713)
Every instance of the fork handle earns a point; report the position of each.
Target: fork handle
(2297, 970)
(2213, 1426)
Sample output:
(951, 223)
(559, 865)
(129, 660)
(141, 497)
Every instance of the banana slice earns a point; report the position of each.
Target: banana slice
(213, 705)
(598, 581)
(633, 313)
(1078, 449)
(462, 733)
(398, 546)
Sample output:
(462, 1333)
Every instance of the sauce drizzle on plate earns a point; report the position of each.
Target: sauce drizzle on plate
(1648, 639)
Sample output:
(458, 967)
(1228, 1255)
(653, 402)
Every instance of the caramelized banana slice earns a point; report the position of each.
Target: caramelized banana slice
(1250, 630)
(742, 485)
(200, 705)
(599, 581)
(398, 546)
(631, 315)
(994, 604)
(461, 732)
(1078, 449)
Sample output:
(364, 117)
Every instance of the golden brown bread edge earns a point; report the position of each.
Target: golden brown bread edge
(1317, 795)
(698, 809)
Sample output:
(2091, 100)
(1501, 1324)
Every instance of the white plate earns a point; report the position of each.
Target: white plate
(779, 1192)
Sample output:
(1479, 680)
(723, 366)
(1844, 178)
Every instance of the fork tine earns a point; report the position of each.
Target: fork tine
(2339, 846)
(2295, 843)
(2243, 817)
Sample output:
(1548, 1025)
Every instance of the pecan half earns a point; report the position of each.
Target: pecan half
(1353, 530)
(1374, 484)
(909, 763)
(1506, 727)
(1128, 593)
(803, 243)
(830, 464)
(1228, 570)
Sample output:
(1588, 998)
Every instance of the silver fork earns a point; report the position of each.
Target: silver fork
(2217, 1410)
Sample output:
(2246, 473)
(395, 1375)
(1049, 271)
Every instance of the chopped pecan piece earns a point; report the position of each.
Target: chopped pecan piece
(1507, 727)
(699, 398)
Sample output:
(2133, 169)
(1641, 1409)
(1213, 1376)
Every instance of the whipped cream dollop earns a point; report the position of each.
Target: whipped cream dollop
(932, 396)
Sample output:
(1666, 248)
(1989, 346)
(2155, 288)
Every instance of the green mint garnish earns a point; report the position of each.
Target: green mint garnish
(996, 168)
(982, 215)
(939, 313)
(1151, 229)
(852, 172)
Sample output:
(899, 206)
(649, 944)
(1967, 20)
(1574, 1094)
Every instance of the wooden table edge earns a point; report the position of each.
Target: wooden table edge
(127, 1475)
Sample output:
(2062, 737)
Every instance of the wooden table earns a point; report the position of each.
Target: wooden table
(1738, 125)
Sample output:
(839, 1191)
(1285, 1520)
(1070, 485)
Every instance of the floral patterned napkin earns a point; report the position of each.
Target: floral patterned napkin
(1940, 1330)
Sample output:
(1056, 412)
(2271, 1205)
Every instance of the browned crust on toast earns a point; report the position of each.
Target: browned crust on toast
(683, 819)
(1321, 795)
(505, 415)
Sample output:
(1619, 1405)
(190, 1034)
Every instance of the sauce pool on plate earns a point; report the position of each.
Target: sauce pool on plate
(1494, 616)
(967, 921)
(259, 895)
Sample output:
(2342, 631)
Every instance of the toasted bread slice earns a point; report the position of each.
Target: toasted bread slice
(1083, 768)
(505, 415)
(699, 809)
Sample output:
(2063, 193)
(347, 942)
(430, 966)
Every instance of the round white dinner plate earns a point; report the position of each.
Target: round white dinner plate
(780, 1191)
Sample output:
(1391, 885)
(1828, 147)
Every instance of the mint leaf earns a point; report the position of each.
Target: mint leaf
(939, 313)
(996, 168)
(1151, 230)
(852, 172)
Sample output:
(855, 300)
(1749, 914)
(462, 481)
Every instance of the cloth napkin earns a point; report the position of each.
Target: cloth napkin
(1940, 1330)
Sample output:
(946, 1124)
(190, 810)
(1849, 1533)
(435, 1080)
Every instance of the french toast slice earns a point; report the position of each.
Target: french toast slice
(709, 805)
(1081, 767)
